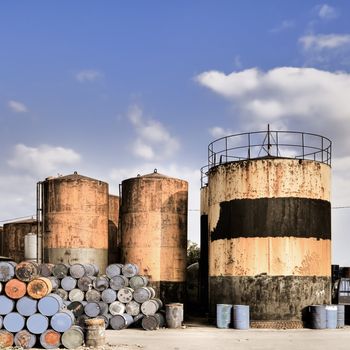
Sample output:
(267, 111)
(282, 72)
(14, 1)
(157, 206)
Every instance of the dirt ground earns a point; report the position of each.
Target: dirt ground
(209, 337)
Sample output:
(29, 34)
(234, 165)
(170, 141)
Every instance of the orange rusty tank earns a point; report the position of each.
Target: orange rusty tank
(269, 226)
(114, 238)
(75, 220)
(154, 231)
(15, 289)
(13, 238)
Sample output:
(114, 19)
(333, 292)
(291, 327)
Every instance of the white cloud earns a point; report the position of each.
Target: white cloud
(324, 41)
(89, 75)
(217, 132)
(154, 140)
(286, 24)
(304, 99)
(43, 160)
(327, 12)
(17, 107)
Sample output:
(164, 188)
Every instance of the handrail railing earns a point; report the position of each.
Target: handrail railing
(267, 144)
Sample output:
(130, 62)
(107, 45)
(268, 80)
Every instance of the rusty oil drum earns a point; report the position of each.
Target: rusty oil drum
(39, 287)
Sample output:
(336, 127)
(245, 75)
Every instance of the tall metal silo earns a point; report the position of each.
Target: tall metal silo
(270, 223)
(13, 237)
(114, 237)
(75, 220)
(154, 231)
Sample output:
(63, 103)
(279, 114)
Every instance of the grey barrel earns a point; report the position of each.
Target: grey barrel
(62, 293)
(104, 307)
(7, 271)
(80, 321)
(6, 305)
(37, 323)
(92, 309)
(95, 333)
(142, 294)
(50, 339)
(153, 322)
(46, 269)
(105, 318)
(93, 295)
(73, 337)
(340, 316)
(133, 308)
(113, 270)
(1, 321)
(118, 282)
(24, 339)
(117, 308)
(125, 294)
(60, 271)
(138, 282)
(331, 316)
(318, 316)
(68, 283)
(26, 271)
(119, 322)
(91, 269)
(14, 322)
(174, 314)
(62, 321)
(130, 270)
(50, 305)
(76, 307)
(101, 283)
(109, 295)
(153, 292)
(85, 283)
(76, 295)
(77, 270)
(223, 315)
(149, 307)
(241, 316)
(26, 306)
(55, 282)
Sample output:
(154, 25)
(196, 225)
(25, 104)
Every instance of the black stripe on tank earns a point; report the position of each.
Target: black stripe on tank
(274, 217)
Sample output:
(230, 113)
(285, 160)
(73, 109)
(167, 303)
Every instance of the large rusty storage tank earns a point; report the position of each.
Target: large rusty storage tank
(114, 237)
(204, 245)
(12, 240)
(270, 223)
(154, 231)
(75, 220)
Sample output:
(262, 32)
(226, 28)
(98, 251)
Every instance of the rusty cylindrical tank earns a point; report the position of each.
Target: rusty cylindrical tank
(270, 236)
(13, 238)
(114, 237)
(75, 216)
(154, 231)
(204, 252)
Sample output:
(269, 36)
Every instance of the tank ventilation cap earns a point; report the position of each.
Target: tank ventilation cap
(75, 173)
(155, 170)
(138, 175)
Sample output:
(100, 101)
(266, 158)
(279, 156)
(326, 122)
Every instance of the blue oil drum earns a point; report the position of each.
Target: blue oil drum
(92, 309)
(62, 321)
(6, 305)
(109, 295)
(241, 316)
(14, 322)
(340, 316)
(37, 323)
(50, 305)
(331, 316)
(318, 316)
(223, 315)
(27, 306)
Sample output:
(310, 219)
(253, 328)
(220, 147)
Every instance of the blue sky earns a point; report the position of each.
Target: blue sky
(112, 89)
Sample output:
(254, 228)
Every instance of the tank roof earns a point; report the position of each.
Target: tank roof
(154, 175)
(25, 221)
(74, 176)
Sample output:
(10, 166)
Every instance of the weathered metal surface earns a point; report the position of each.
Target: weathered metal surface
(25, 340)
(26, 271)
(95, 333)
(269, 217)
(223, 315)
(174, 314)
(6, 339)
(204, 251)
(114, 234)
(39, 287)
(50, 339)
(7, 271)
(15, 289)
(270, 297)
(270, 255)
(154, 226)
(240, 319)
(13, 238)
(76, 213)
(73, 337)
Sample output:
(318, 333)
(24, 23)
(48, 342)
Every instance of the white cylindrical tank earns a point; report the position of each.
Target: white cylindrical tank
(30, 246)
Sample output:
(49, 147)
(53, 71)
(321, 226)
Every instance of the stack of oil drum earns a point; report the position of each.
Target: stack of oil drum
(30, 313)
(120, 297)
